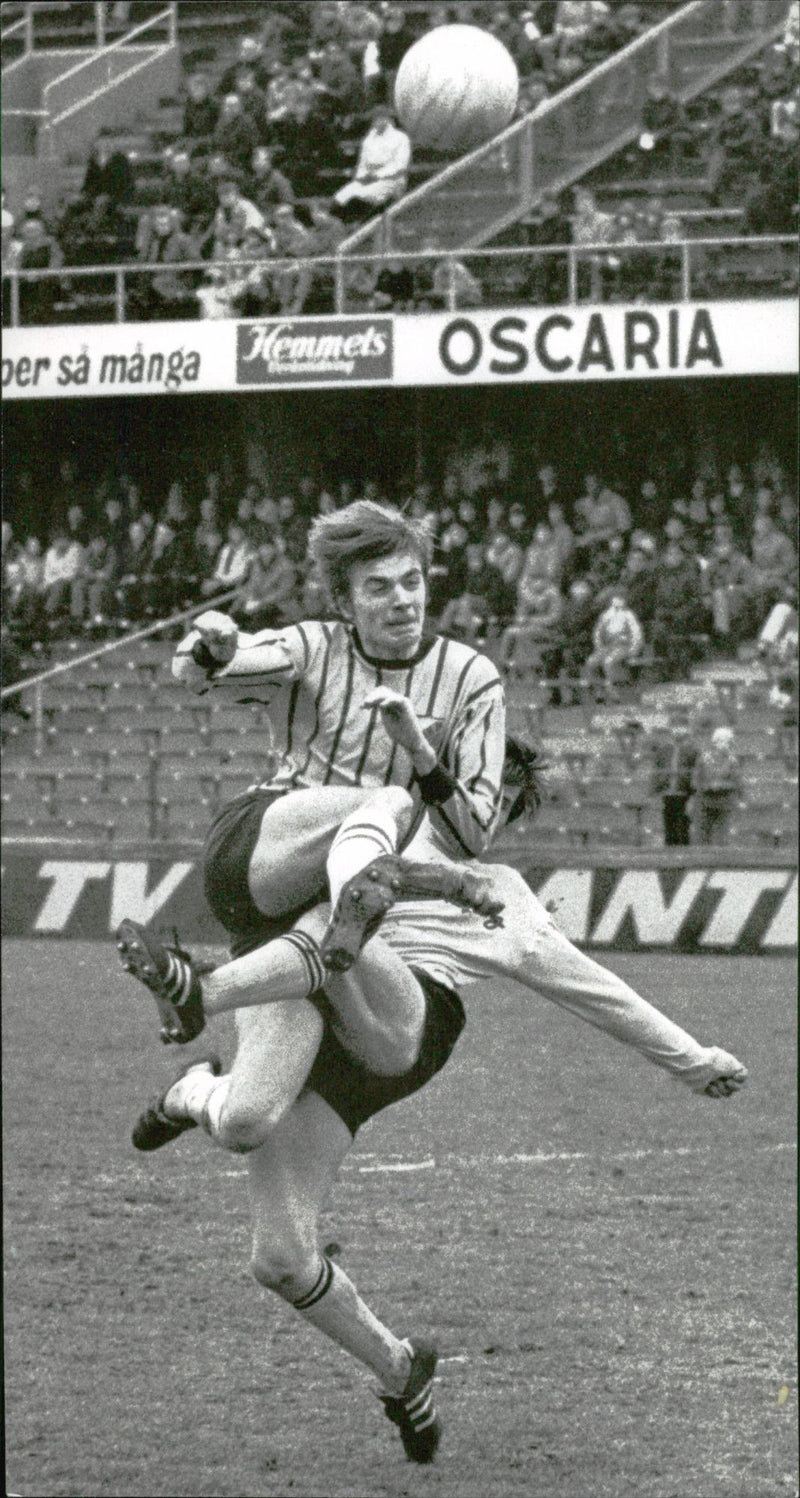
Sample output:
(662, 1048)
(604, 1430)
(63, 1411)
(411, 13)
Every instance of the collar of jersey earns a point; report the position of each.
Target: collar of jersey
(425, 645)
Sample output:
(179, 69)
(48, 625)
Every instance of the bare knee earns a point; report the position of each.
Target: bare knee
(243, 1128)
(396, 800)
(286, 1264)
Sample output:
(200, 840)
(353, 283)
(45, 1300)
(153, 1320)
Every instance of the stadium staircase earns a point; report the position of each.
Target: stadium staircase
(113, 752)
(476, 198)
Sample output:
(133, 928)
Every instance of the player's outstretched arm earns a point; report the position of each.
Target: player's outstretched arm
(217, 653)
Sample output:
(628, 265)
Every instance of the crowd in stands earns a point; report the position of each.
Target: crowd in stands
(580, 584)
(252, 177)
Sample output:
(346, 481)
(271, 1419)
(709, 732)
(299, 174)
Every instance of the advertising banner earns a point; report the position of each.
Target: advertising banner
(724, 910)
(501, 346)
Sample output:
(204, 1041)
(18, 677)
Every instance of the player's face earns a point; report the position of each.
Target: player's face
(387, 605)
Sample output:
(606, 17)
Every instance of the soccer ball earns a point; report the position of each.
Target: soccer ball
(456, 88)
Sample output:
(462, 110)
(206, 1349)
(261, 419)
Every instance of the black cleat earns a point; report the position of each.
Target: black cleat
(154, 1127)
(413, 1410)
(172, 977)
(370, 894)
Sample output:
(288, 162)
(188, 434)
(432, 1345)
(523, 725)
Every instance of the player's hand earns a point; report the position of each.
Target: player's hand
(219, 633)
(399, 720)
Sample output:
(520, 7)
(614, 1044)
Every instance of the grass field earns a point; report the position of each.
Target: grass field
(606, 1261)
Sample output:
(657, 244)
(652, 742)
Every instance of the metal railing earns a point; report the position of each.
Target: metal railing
(35, 684)
(26, 35)
(472, 200)
(686, 270)
(80, 90)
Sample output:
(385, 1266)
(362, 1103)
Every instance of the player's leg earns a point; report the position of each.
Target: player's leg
(529, 949)
(287, 863)
(290, 1179)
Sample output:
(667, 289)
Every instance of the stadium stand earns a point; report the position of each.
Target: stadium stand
(699, 199)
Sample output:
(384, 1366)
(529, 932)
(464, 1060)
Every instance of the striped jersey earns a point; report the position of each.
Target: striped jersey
(314, 677)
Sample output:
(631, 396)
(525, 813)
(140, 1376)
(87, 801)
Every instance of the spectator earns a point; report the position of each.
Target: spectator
(114, 523)
(232, 564)
(504, 560)
(235, 215)
(63, 563)
(200, 111)
(674, 756)
(294, 529)
(253, 53)
(207, 538)
(38, 251)
(168, 579)
(324, 237)
(662, 125)
(466, 617)
(590, 226)
(617, 643)
(542, 562)
(132, 561)
(248, 289)
(266, 600)
(109, 174)
(396, 36)
(774, 562)
(453, 280)
(168, 293)
(574, 20)
(599, 514)
(394, 287)
(263, 528)
(235, 136)
(338, 78)
(383, 162)
(679, 612)
(548, 224)
(548, 486)
(730, 583)
(193, 195)
(563, 538)
(735, 145)
(638, 578)
(536, 619)
(293, 275)
(267, 187)
(253, 99)
(92, 590)
(24, 579)
(717, 785)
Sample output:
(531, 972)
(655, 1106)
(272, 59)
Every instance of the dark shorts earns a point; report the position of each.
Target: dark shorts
(356, 1093)
(351, 1090)
(226, 862)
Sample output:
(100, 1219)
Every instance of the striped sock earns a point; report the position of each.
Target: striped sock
(176, 984)
(309, 952)
(334, 1306)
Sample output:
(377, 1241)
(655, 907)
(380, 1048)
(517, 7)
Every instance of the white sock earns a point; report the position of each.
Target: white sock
(199, 1095)
(334, 1306)
(365, 835)
(289, 967)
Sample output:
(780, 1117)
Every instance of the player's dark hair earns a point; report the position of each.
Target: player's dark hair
(363, 532)
(522, 778)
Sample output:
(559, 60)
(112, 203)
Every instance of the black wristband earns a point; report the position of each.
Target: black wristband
(437, 786)
(202, 656)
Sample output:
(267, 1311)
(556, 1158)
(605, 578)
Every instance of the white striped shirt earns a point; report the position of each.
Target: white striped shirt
(314, 677)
